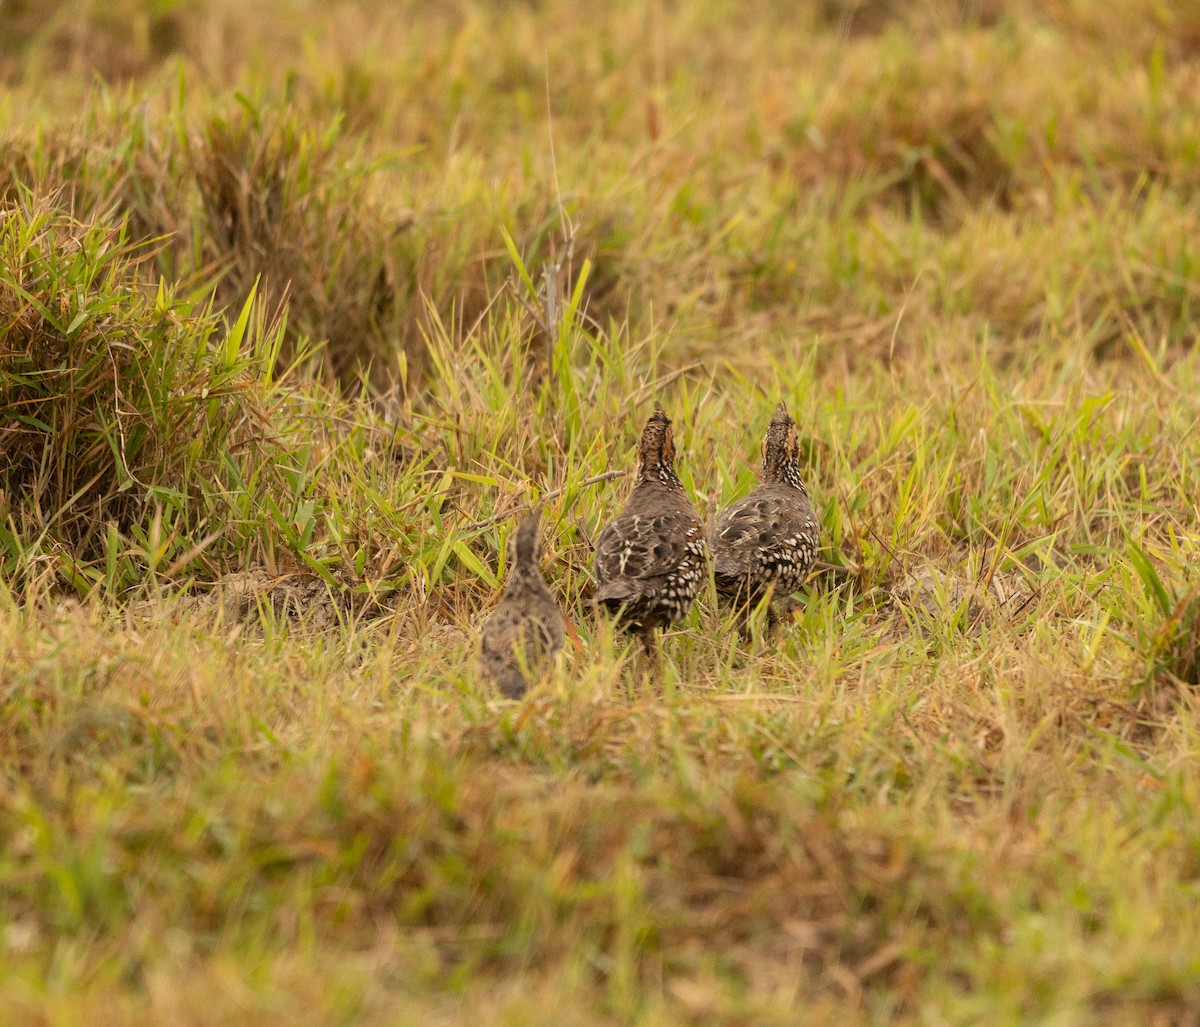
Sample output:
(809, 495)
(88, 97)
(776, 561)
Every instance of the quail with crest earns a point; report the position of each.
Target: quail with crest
(526, 629)
(650, 560)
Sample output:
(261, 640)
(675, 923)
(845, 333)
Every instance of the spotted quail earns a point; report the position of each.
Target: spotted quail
(526, 629)
(650, 559)
(768, 540)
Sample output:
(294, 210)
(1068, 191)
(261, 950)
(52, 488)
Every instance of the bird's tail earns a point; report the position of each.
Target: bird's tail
(613, 595)
(729, 580)
(512, 683)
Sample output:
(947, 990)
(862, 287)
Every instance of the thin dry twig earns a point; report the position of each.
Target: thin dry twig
(545, 306)
(661, 383)
(833, 569)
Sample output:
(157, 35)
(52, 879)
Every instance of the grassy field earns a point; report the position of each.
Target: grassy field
(290, 330)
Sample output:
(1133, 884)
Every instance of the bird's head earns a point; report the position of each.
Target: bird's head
(526, 544)
(781, 450)
(656, 449)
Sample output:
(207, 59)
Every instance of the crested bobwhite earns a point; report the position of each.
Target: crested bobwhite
(650, 559)
(768, 540)
(526, 629)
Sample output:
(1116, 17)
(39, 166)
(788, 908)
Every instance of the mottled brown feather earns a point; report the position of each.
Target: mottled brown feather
(768, 540)
(526, 629)
(650, 560)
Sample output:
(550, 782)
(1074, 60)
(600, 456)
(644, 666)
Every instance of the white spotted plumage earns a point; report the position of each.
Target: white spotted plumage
(768, 540)
(650, 559)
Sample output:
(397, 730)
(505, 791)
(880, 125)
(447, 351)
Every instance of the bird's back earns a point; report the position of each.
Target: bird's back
(768, 538)
(650, 558)
(526, 629)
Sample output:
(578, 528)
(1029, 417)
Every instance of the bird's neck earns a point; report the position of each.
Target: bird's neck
(785, 473)
(659, 474)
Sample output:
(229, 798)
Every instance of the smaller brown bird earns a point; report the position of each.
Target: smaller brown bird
(526, 629)
(650, 559)
(768, 540)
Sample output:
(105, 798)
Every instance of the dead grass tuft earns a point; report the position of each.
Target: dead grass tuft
(284, 204)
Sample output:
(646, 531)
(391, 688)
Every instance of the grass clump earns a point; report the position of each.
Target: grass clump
(280, 203)
(1166, 624)
(124, 413)
(246, 203)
